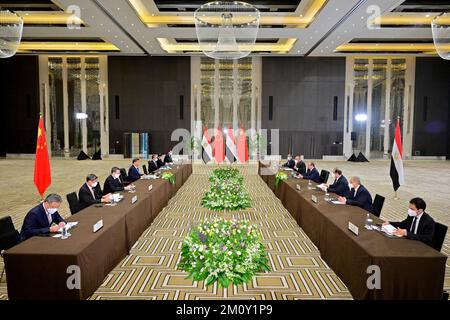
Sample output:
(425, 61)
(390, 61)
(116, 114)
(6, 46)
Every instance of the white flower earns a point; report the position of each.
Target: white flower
(238, 253)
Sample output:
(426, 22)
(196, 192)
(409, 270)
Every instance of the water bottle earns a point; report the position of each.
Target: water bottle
(310, 187)
(327, 196)
(368, 222)
(64, 234)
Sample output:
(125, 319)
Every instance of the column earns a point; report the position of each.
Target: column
(65, 109)
(387, 109)
(83, 105)
(369, 108)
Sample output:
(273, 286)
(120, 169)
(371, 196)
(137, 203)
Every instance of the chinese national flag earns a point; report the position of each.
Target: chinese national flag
(42, 178)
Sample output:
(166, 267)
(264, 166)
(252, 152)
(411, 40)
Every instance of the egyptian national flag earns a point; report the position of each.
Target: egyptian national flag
(242, 146)
(219, 147)
(206, 147)
(42, 176)
(230, 146)
(396, 160)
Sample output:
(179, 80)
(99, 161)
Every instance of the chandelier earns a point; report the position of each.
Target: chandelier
(11, 27)
(441, 35)
(227, 29)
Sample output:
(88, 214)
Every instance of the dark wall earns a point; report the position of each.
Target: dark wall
(19, 98)
(303, 91)
(432, 107)
(148, 90)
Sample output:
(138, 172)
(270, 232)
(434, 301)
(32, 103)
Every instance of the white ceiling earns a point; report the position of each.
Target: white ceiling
(337, 23)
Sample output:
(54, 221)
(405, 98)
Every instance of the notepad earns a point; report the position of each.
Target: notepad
(288, 169)
(336, 202)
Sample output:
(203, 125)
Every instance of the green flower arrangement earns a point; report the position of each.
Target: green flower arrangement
(226, 195)
(227, 191)
(168, 176)
(280, 176)
(226, 251)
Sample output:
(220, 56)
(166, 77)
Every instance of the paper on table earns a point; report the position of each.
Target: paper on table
(288, 169)
(336, 202)
(389, 229)
(69, 225)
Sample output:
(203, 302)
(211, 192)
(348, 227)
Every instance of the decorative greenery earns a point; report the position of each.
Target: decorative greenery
(280, 176)
(227, 251)
(227, 191)
(168, 176)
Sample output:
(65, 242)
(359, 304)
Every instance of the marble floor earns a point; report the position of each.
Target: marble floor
(427, 179)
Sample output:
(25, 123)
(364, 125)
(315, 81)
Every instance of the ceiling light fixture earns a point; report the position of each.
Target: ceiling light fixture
(11, 27)
(226, 29)
(441, 35)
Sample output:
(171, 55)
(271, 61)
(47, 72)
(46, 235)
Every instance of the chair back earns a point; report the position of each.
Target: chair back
(440, 231)
(144, 167)
(74, 204)
(377, 206)
(9, 236)
(324, 175)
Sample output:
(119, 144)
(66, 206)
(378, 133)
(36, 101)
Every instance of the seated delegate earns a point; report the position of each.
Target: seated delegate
(340, 185)
(418, 224)
(43, 219)
(359, 195)
(90, 193)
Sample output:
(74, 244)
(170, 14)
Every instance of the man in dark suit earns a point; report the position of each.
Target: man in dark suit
(133, 171)
(312, 173)
(168, 158)
(418, 225)
(160, 162)
(290, 163)
(113, 182)
(339, 186)
(359, 196)
(299, 166)
(153, 164)
(90, 193)
(43, 219)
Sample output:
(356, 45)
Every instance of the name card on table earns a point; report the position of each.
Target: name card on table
(298, 187)
(353, 228)
(134, 200)
(150, 187)
(97, 226)
(314, 198)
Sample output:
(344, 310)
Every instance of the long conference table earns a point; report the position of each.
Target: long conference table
(408, 269)
(46, 267)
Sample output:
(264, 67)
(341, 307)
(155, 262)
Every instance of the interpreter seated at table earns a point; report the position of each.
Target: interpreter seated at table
(418, 225)
(133, 172)
(43, 219)
(290, 163)
(113, 183)
(153, 164)
(90, 193)
(299, 166)
(359, 196)
(168, 158)
(312, 173)
(339, 186)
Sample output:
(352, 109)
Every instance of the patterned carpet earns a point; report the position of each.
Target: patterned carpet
(150, 271)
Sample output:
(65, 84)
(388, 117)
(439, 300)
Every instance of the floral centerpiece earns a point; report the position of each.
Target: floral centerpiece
(227, 251)
(280, 176)
(226, 191)
(168, 176)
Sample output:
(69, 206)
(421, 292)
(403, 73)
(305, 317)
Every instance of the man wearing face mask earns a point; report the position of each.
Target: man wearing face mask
(153, 164)
(168, 158)
(113, 182)
(43, 219)
(299, 165)
(91, 193)
(359, 195)
(418, 225)
(340, 185)
(290, 162)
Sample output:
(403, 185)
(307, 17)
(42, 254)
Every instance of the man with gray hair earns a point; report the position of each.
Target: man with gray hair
(91, 193)
(359, 195)
(43, 219)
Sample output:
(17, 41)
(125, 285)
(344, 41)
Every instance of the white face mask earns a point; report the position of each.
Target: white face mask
(412, 213)
(289, 158)
(350, 186)
(95, 184)
(116, 175)
(52, 210)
